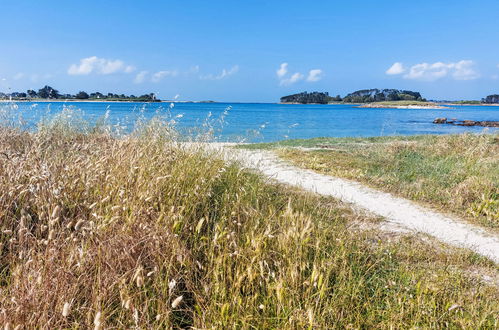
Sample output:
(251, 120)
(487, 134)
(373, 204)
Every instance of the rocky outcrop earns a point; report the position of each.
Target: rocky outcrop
(377, 95)
(304, 98)
(484, 123)
(440, 121)
(491, 99)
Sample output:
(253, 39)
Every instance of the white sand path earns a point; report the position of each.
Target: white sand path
(396, 211)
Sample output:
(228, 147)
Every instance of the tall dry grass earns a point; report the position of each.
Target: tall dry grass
(140, 231)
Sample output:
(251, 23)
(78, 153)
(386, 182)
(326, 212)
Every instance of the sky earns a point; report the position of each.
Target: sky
(251, 51)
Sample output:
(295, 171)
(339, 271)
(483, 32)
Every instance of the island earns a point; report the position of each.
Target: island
(383, 98)
(308, 98)
(366, 98)
(381, 95)
(491, 99)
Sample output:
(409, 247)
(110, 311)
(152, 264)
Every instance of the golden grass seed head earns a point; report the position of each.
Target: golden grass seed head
(97, 320)
(66, 309)
(56, 212)
(79, 224)
(177, 301)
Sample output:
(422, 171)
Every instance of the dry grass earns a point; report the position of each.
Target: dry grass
(452, 173)
(103, 232)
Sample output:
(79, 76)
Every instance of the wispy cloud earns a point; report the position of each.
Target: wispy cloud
(286, 78)
(158, 76)
(98, 65)
(224, 74)
(141, 77)
(314, 75)
(462, 70)
(295, 77)
(396, 68)
(282, 71)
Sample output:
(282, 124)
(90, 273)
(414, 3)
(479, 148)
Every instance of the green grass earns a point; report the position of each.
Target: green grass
(145, 232)
(327, 142)
(401, 103)
(473, 102)
(452, 173)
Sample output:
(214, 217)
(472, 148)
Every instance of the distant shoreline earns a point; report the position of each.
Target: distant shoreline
(356, 105)
(73, 100)
(377, 105)
(414, 106)
(99, 101)
(473, 104)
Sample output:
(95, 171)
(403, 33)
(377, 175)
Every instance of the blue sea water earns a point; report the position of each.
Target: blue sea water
(258, 122)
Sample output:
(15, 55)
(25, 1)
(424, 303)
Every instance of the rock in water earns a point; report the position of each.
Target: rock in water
(483, 123)
(440, 121)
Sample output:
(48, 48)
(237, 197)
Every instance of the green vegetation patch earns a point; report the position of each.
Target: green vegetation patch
(453, 173)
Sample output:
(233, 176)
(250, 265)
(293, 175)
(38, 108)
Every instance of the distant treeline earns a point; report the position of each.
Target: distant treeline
(48, 92)
(377, 95)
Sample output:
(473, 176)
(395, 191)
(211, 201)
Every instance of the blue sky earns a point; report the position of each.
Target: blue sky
(251, 50)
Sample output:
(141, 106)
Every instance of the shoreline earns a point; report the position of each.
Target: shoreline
(386, 106)
(76, 101)
(470, 104)
(102, 101)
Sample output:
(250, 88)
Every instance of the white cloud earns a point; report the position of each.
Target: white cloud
(295, 77)
(314, 75)
(462, 70)
(396, 68)
(98, 65)
(286, 78)
(426, 71)
(129, 69)
(224, 74)
(158, 76)
(140, 77)
(282, 71)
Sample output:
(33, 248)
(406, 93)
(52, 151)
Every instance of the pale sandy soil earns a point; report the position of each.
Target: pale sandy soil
(397, 212)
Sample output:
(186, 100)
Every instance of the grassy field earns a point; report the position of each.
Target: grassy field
(452, 173)
(143, 232)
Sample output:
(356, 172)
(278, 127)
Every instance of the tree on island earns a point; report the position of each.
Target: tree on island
(82, 95)
(31, 93)
(97, 95)
(48, 92)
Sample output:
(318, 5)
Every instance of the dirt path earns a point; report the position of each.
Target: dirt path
(397, 211)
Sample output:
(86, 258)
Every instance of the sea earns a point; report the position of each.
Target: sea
(251, 122)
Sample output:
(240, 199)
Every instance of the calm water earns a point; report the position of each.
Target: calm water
(267, 122)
